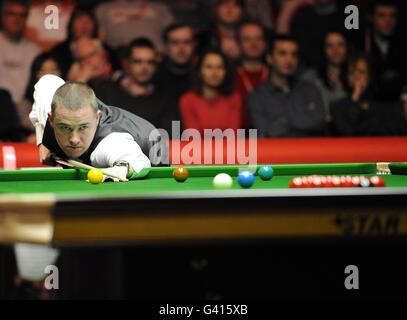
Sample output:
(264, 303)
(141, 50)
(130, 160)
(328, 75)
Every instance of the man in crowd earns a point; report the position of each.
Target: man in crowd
(136, 92)
(253, 69)
(122, 21)
(284, 106)
(17, 53)
(174, 73)
(92, 65)
(387, 51)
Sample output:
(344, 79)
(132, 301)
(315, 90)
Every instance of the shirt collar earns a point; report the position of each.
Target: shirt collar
(125, 84)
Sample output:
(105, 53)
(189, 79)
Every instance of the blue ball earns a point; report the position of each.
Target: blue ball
(266, 172)
(245, 179)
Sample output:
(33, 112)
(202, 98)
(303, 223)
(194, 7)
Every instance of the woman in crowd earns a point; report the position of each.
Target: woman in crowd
(43, 64)
(82, 25)
(330, 78)
(213, 103)
(223, 34)
(359, 114)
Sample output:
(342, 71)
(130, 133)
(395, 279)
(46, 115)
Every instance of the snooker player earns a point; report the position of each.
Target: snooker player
(72, 123)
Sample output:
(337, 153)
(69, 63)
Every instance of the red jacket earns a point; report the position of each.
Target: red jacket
(222, 112)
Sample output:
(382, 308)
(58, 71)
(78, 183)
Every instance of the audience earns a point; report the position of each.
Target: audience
(329, 77)
(359, 114)
(136, 92)
(92, 64)
(82, 25)
(213, 103)
(285, 106)
(223, 34)
(36, 29)
(207, 63)
(17, 53)
(174, 72)
(43, 64)
(310, 24)
(122, 21)
(252, 70)
(387, 50)
(195, 13)
(10, 128)
(260, 11)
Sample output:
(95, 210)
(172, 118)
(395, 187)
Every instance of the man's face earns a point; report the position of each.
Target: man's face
(335, 48)
(213, 70)
(142, 65)
(284, 58)
(92, 56)
(229, 12)
(180, 45)
(74, 130)
(252, 41)
(385, 20)
(14, 19)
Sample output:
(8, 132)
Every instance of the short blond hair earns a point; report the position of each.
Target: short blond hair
(74, 95)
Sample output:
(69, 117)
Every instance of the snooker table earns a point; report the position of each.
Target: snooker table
(58, 207)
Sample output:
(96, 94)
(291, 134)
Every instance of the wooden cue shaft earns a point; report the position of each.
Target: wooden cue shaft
(85, 166)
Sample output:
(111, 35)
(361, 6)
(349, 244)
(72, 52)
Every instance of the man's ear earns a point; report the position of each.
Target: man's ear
(98, 115)
(269, 59)
(50, 119)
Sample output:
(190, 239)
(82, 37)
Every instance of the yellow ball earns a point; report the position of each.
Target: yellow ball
(95, 176)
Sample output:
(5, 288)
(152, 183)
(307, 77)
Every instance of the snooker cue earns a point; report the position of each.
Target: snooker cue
(81, 165)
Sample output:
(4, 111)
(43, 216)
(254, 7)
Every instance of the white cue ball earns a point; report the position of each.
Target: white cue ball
(222, 181)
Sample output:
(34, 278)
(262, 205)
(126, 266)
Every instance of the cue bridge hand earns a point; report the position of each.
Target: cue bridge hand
(46, 156)
(118, 171)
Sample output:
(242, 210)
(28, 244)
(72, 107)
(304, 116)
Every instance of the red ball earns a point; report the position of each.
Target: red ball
(336, 182)
(296, 183)
(377, 181)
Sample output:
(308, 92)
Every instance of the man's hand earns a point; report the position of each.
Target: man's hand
(118, 171)
(46, 156)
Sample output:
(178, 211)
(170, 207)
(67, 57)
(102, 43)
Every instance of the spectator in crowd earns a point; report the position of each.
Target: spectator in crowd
(10, 128)
(330, 76)
(174, 72)
(213, 103)
(223, 35)
(253, 69)
(17, 53)
(43, 11)
(359, 114)
(136, 92)
(92, 64)
(387, 50)
(285, 106)
(122, 21)
(43, 64)
(310, 24)
(82, 25)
